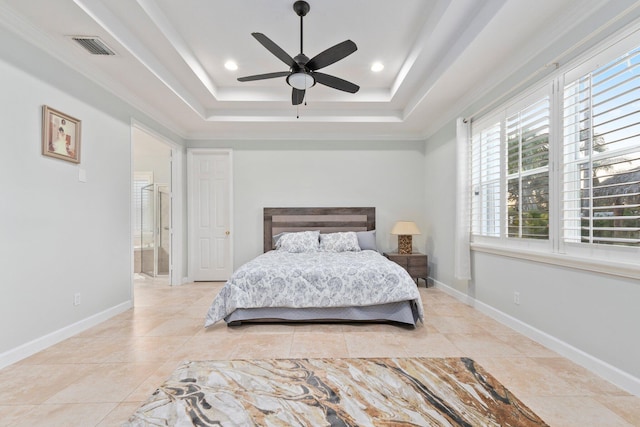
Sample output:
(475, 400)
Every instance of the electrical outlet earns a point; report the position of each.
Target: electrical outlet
(516, 298)
(76, 299)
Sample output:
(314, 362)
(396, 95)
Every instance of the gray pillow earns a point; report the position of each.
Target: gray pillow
(367, 240)
(274, 239)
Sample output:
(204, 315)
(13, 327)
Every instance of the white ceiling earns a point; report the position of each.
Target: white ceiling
(439, 56)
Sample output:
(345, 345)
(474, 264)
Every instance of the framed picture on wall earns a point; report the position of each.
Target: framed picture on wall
(60, 135)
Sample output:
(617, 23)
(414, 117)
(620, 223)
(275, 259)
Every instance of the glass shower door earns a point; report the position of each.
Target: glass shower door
(163, 247)
(155, 236)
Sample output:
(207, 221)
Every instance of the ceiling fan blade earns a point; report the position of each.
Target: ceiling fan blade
(274, 48)
(331, 55)
(264, 76)
(335, 82)
(297, 96)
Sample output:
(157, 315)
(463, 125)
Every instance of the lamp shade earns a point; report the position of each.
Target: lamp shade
(405, 228)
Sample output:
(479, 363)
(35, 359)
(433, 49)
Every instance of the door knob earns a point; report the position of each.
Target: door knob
(227, 232)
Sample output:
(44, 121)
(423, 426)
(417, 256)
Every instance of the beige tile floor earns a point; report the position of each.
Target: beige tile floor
(99, 377)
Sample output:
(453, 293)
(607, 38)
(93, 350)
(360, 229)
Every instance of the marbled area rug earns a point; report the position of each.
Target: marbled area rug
(333, 392)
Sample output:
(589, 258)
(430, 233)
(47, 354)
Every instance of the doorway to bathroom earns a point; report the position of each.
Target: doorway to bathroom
(152, 208)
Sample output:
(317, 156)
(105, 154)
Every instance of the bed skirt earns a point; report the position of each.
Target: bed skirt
(399, 312)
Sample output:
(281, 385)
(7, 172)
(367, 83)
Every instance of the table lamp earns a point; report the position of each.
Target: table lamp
(404, 230)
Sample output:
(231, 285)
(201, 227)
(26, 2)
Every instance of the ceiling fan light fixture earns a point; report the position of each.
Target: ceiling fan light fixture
(301, 81)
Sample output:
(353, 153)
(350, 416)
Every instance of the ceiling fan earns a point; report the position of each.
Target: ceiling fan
(303, 72)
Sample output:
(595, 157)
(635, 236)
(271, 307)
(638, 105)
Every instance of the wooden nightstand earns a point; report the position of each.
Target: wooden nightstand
(416, 264)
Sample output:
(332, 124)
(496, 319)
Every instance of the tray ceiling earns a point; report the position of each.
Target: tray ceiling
(439, 56)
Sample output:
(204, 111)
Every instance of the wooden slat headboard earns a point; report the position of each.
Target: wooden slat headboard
(327, 220)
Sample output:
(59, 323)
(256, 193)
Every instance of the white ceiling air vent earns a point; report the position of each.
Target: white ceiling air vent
(93, 45)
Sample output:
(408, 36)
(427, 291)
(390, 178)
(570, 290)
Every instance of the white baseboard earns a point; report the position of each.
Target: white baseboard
(460, 296)
(609, 372)
(32, 347)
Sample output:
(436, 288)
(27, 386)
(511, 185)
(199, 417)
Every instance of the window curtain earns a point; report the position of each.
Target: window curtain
(462, 250)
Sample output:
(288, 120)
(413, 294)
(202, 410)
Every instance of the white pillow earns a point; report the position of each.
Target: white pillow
(339, 242)
(304, 241)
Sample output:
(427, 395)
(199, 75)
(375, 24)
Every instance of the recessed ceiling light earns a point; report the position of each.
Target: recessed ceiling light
(377, 66)
(231, 65)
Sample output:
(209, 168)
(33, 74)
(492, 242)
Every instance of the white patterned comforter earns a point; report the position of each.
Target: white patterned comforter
(318, 279)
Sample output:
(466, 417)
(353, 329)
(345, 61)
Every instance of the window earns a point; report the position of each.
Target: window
(485, 178)
(601, 194)
(510, 172)
(563, 166)
(141, 203)
(527, 144)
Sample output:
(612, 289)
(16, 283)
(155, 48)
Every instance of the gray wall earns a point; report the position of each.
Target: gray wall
(440, 177)
(387, 175)
(592, 317)
(60, 236)
(595, 313)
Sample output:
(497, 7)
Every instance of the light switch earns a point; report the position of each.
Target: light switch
(82, 175)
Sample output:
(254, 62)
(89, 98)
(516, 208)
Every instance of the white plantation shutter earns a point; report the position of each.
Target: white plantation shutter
(510, 170)
(141, 201)
(485, 179)
(601, 156)
(527, 164)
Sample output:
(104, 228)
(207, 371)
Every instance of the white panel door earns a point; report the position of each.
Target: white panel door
(210, 218)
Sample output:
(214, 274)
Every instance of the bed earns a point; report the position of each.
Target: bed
(319, 264)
